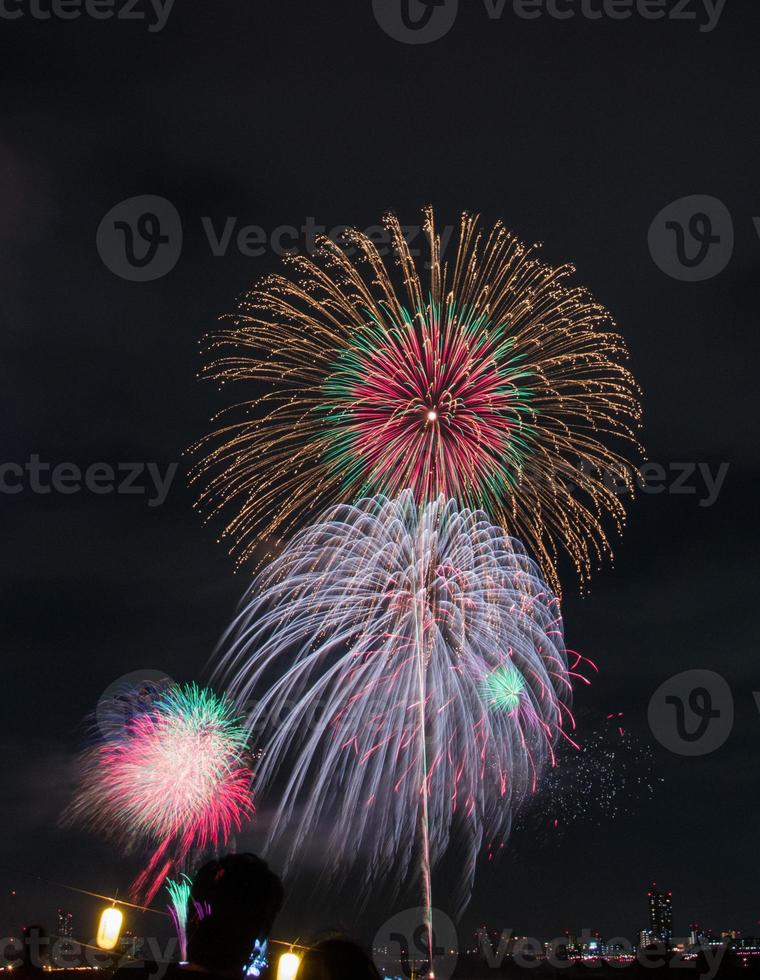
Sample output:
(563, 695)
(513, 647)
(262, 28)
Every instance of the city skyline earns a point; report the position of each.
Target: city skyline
(656, 903)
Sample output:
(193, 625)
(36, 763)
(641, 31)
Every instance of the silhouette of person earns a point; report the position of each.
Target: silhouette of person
(337, 959)
(233, 904)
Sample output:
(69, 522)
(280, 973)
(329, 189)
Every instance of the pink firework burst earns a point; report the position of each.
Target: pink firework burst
(175, 776)
(437, 403)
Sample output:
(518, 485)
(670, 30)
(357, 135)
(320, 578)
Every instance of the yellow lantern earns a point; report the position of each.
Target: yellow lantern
(287, 966)
(109, 928)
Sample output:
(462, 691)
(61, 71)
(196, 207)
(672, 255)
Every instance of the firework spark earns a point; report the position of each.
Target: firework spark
(179, 901)
(366, 647)
(175, 777)
(488, 380)
(503, 688)
(612, 774)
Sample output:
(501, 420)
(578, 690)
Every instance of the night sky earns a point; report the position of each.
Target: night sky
(576, 133)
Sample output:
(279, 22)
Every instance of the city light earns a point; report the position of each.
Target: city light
(109, 928)
(287, 966)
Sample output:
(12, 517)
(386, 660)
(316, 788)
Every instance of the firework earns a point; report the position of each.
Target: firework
(488, 380)
(368, 647)
(613, 774)
(175, 777)
(504, 687)
(179, 900)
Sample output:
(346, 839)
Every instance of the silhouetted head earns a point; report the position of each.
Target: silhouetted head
(233, 902)
(337, 959)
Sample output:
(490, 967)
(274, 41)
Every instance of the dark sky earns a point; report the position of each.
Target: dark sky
(577, 133)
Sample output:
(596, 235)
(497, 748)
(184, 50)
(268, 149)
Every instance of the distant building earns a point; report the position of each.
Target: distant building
(592, 946)
(660, 914)
(131, 945)
(572, 946)
(65, 924)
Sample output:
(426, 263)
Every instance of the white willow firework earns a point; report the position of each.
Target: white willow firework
(367, 649)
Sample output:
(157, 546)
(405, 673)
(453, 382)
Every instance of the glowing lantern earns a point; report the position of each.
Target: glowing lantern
(109, 928)
(287, 966)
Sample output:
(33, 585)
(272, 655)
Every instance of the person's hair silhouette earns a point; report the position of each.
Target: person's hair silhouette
(233, 903)
(337, 959)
